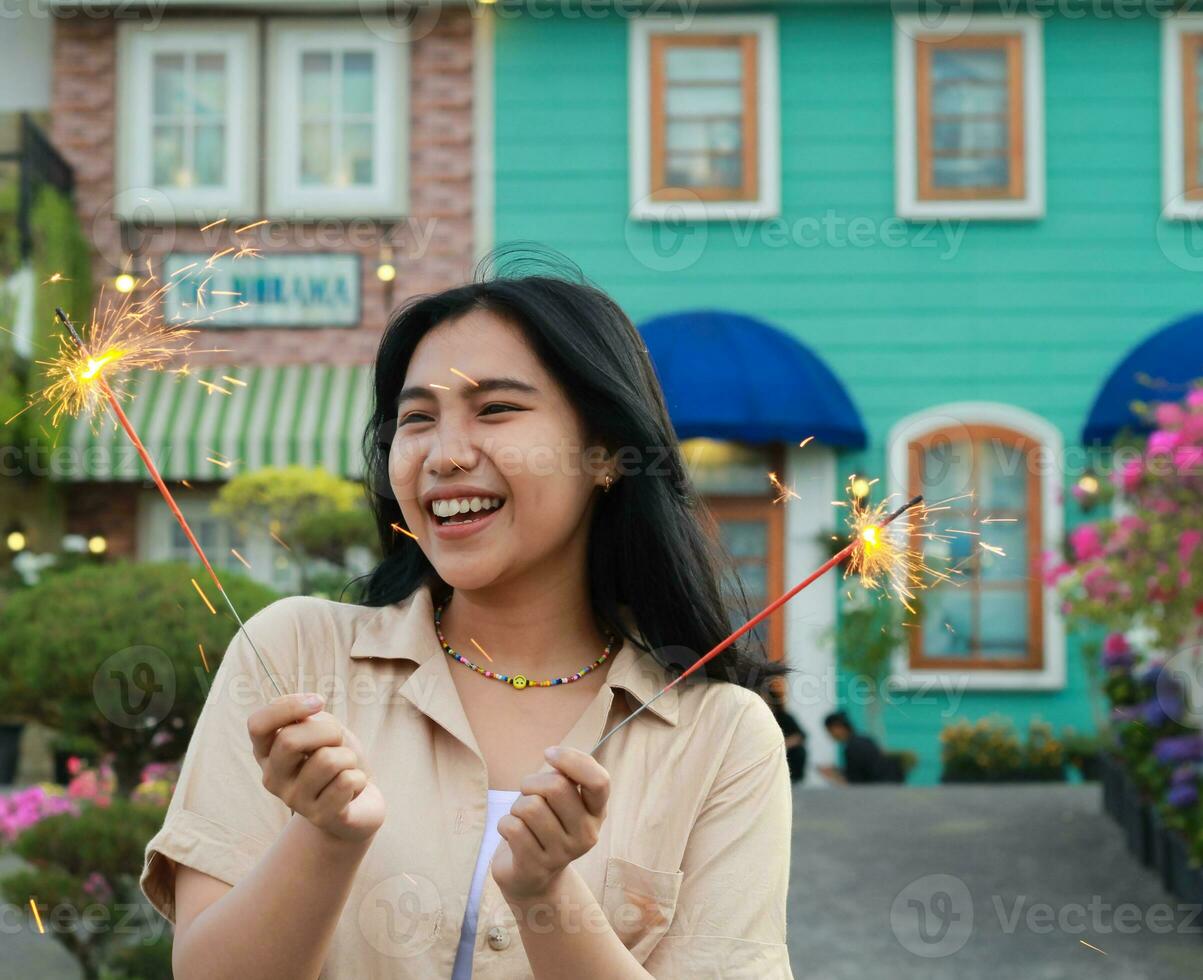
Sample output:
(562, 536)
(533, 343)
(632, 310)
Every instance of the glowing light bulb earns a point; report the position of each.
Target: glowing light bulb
(16, 541)
(97, 544)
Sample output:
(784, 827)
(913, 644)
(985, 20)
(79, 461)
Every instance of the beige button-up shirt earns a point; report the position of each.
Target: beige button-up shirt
(692, 866)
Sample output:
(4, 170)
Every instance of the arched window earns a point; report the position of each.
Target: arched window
(733, 479)
(994, 471)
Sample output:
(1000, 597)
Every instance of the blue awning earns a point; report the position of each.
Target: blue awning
(728, 376)
(1162, 368)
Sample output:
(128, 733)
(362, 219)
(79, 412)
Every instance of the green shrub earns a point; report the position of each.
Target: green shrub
(989, 750)
(110, 652)
(83, 875)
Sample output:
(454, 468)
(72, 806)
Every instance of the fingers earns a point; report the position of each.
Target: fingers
(561, 796)
(318, 771)
(297, 741)
(264, 722)
(522, 841)
(549, 834)
(584, 770)
(340, 791)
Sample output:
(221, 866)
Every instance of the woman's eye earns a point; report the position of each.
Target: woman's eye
(499, 405)
(413, 417)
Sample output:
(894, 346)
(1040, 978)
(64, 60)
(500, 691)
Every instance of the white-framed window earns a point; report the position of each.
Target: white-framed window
(339, 120)
(969, 117)
(160, 538)
(704, 117)
(187, 105)
(997, 625)
(1181, 110)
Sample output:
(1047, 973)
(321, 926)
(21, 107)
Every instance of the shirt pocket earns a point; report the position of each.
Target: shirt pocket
(639, 903)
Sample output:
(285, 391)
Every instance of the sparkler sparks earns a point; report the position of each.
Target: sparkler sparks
(889, 559)
(861, 542)
(86, 377)
(397, 527)
(783, 492)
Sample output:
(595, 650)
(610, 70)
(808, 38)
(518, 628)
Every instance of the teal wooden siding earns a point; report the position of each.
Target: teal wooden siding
(1032, 313)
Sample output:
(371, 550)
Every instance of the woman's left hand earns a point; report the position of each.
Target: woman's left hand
(556, 820)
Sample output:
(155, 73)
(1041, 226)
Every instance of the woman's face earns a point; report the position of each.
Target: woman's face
(493, 476)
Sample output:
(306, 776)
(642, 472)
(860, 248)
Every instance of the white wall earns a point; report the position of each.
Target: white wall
(25, 38)
(810, 615)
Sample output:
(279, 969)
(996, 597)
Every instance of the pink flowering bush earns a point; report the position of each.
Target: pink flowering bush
(1142, 572)
(1146, 566)
(83, 845)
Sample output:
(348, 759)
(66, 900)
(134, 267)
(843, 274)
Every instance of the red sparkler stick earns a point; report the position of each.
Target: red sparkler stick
(154, 472)
(767, 611)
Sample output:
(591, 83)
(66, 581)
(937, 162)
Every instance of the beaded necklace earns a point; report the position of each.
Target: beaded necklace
(517, 681)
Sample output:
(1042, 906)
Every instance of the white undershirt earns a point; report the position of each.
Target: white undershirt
(500, 801)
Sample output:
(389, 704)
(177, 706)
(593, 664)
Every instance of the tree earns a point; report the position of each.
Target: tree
(113, 652)
(319, 515)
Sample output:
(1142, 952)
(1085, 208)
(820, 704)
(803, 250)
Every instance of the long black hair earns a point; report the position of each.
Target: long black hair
(649, 548)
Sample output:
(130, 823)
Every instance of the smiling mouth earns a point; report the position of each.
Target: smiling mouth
(464, 510)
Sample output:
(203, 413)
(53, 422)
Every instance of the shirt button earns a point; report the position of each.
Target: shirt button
(498, 938)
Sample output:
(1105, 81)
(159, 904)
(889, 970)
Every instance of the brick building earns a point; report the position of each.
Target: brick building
(353, 136)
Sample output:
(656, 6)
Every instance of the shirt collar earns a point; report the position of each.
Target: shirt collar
(405, 631)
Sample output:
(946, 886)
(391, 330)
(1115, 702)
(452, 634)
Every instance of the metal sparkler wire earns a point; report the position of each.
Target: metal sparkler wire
(115, 405)
(768, 610)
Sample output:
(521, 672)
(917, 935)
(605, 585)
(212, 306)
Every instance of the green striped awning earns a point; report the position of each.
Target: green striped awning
(302, 414)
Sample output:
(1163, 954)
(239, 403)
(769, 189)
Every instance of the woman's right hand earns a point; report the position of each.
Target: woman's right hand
(313, 763)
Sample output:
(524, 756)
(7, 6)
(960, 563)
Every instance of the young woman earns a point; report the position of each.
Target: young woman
(437, 812)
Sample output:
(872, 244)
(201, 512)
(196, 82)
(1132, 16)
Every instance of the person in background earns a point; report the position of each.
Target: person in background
(864, 762)
(795, 739)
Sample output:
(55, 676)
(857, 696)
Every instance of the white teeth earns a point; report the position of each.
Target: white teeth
(462, 505)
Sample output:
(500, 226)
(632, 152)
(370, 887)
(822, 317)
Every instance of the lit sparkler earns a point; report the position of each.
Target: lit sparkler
(868, 538)
(891, 561)
(80, 383)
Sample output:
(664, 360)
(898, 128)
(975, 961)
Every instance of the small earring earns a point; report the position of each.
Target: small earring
(609, 481)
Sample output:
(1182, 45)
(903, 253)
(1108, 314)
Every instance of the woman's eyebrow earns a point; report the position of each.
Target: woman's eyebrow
(482, 386)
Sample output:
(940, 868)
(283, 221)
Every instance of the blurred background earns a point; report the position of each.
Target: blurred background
(874, 249)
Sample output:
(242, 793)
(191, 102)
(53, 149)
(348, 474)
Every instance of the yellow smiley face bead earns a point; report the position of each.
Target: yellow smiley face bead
(519, 681)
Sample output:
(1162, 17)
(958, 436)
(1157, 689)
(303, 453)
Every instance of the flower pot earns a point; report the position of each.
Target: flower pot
(1185, 882)
(10, 751)
(1163, 859)
(1137, 827)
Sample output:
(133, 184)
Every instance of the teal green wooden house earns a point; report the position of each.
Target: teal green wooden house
(932, 242)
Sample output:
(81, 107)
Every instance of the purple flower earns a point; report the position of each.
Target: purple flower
(1179, 748)
(1183, 796)
(1155, 713)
